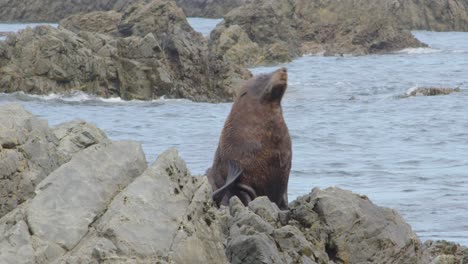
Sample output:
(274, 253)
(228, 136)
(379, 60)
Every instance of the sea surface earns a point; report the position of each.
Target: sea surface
(350, 126)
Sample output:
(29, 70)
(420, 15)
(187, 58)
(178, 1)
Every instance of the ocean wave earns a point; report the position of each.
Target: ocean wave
(76, 97)
(418, 51)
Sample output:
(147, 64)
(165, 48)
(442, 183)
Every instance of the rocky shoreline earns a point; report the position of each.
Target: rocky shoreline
(444, 15)
(70, 196)
(145, 52)
(146, 49)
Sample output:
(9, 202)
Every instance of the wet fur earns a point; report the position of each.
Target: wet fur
(256, 137)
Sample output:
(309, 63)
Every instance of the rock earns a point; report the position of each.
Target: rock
(444, 252)
(100, 22)
(76, 135)
(354, 224)
(27, 155)
(258, 33)
(446, 15)
(283, 30)
(54, 11)
(430, 91)
(105, 207)
(130, 55)
(234, 45)
(67, 202)
(95, 175)
(31, 150)
(164, 214)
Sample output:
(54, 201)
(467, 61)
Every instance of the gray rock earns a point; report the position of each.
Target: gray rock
(31, 150)
(16, 246)
(76, 135)
(263, 207)
(27, 155)
(380, 235)
(165, 214)
(74, 195)
(444, 252)
(257, 248)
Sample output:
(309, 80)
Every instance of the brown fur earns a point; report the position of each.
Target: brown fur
(256, 137)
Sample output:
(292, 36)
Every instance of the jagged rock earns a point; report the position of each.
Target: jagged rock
(444, 15)
(67, 202)
(31, 150)
(148, 52)
(380, 235)
(444, 252)
(53, 11)
(95, 175)
(106, 206)
(27, 155)
(76, 135)
(165, 214)
(285, 29)
(100, 22)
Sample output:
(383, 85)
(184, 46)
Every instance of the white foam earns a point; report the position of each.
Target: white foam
(410, 90)
(82, 97)
(418, 51)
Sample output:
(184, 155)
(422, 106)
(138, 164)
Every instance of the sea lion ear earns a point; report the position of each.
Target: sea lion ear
(234, 173)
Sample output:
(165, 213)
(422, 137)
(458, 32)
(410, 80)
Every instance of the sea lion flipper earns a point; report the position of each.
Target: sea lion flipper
(234, 173)
(246, 193)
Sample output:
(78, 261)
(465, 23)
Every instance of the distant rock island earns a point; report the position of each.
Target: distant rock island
(68, 195)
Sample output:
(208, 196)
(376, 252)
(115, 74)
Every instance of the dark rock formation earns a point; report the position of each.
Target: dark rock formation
(277, 31)
(147, 52)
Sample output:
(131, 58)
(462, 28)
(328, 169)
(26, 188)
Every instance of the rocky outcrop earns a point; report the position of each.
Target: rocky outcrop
(277, 31)
(30, 150)
(145, 53)
(430, 91)
(442, 15)
(54, 11)
(99, 22)
(100, 206)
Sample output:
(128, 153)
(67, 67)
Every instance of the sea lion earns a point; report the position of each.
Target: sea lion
(254, 154)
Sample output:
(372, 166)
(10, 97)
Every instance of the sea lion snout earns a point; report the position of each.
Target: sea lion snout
(280, 75)
(277, 85)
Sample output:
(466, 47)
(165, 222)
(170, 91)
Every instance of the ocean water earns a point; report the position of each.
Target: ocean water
(349, 123)
(15, 27)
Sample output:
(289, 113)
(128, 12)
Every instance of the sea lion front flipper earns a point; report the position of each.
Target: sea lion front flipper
(234, 172)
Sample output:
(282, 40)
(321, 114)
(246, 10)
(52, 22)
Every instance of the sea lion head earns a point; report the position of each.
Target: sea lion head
(268, 87)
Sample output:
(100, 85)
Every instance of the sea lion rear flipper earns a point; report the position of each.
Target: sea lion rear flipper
(246, 193)
(234, 173)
